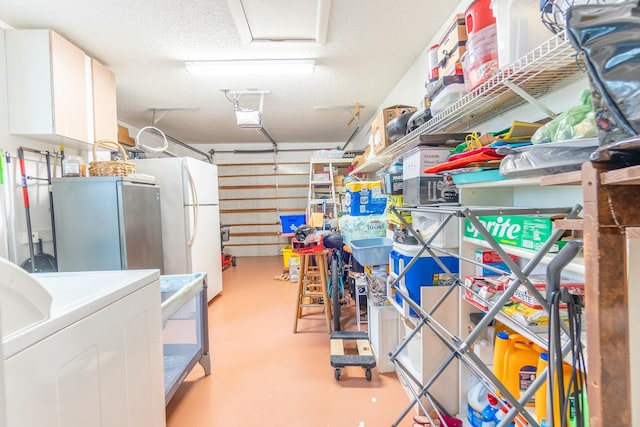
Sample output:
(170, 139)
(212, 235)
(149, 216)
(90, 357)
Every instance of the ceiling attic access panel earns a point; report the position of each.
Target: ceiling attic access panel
(281, 20)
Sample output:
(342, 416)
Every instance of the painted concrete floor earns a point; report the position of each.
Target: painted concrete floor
(265, 375)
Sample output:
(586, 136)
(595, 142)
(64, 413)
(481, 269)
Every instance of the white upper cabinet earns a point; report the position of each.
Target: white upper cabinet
(56, 92)
(105, 116)
(47, 91)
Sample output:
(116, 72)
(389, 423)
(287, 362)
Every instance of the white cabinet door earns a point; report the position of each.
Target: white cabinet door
(105, 115)
(47, 85)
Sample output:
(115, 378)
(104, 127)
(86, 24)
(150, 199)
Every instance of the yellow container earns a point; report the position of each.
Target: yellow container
(541, 393)
(520, 366)
(287, 252)
(500, 347)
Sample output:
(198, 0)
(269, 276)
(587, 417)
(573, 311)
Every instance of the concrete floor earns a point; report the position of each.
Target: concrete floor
(265, 375)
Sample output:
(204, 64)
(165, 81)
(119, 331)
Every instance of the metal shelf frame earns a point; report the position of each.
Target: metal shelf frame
(551, 65)
(462, 348)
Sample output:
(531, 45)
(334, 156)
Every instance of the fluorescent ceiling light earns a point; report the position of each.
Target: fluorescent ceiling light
(251, 67)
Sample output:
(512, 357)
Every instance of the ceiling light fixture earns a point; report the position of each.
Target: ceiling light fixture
(251, 67)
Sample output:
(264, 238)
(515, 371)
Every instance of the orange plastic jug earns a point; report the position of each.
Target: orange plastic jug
(541, 393)
(500, 347)
(520, 366)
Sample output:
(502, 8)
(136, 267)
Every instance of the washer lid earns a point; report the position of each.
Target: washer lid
(24, 302)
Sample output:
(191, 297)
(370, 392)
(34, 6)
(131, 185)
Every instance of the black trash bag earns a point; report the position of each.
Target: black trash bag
(608, 38)
(303, 231)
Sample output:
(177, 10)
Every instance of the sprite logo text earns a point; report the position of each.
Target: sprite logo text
(500, 227)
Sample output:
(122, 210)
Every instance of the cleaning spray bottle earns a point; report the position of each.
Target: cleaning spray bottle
(489, 418)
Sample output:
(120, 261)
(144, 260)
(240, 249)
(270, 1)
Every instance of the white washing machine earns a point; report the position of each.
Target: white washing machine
(81, 349)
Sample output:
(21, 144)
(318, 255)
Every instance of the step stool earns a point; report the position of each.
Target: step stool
(312, 286)
(364, 358)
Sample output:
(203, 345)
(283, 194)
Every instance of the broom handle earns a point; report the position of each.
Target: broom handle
(25, 198)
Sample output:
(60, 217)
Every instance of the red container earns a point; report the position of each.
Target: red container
(479, 16)
(433, 62)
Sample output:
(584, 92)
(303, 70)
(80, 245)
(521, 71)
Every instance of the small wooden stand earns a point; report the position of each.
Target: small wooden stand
(312, 286)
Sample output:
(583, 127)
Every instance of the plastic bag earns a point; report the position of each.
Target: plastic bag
(587, 128)
(566, 126)
(562, 127)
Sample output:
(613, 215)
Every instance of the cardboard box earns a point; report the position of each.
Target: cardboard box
(481, 291)
(539, 281)
(379, 125)
(124, 138)
(491, 258)
(452, 46)
(358, 161)
(415, 161)
(429, 190)
(527, 232)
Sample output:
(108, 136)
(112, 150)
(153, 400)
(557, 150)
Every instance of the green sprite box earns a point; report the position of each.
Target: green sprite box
(527, 232)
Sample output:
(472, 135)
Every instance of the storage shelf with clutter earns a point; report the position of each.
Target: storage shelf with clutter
(549, 66)
(491, 303)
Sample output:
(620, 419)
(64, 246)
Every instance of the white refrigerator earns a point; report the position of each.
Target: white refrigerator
(190, 217)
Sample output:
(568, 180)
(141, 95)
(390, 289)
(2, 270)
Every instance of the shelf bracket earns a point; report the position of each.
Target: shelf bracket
(530, 99)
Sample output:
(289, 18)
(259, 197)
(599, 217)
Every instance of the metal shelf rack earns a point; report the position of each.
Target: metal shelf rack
(548, 67)
(460, 348)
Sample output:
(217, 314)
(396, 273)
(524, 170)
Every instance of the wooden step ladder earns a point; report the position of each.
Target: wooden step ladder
(312, 286)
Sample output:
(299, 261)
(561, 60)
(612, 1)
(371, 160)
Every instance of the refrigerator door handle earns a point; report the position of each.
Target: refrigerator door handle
(194, 206)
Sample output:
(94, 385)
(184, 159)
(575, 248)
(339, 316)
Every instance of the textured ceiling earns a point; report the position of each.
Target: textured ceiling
(369, 46)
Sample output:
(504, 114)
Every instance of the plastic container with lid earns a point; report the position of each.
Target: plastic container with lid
(73, 166)
(519, 29)
(447, 96)
(480, 61)
(541, 393)
(520, 366)
(432, 57)
(478, 16)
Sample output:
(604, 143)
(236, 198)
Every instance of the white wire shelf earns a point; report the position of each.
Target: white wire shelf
(575, 266)
(551, 65)
(537, 334)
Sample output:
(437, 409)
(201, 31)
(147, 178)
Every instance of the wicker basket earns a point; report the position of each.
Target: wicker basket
(111, 167)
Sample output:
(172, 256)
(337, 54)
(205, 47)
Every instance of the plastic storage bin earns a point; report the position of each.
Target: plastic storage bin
(447, 96)
(425, 223)
(429, 190)
(519, 29)
(425, 272)
(383, 333)
(291, 222)
(287, 254)
(371, 251)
